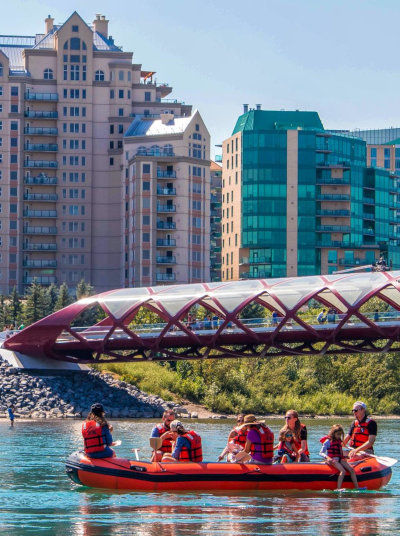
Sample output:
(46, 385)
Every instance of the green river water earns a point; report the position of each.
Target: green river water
(37, 497)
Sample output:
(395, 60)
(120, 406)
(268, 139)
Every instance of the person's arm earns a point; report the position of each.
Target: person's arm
(180, 443)
(247, 447)
(107, 435)
(348, 436)
(324, 450)
(373, 430)
(223, 454)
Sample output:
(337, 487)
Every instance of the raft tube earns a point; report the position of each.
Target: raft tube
(120, 473)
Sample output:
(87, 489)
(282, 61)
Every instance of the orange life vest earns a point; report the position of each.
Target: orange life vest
(195, 453)
(266, 442)
(284, 449)
(93, 437)
(166, 445)
(241, 437)
(297, 443)
(360, 433)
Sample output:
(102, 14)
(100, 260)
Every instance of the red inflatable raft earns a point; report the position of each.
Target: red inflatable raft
(120, 473)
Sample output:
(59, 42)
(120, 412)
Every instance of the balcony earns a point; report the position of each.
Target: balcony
(42, 147)
(38, 263)
(166, 174)
(348, 245)
(166, 191)
(368, 200)
(40, 164)
(165, 242)
(154, 152)
(165, 277)
(334, 213)
(166, 208)
(333, 228)
(333, 197)
(261, 260)
(41, 96)
(369, 232)
(41, 197)
(39, 114)
(369, 217)
(40, 230)
(41, 131)
(40, 213)
(166, 225)
(39, 247)
(168, 259)
(329, 180)
(41, 279)
(42, 181)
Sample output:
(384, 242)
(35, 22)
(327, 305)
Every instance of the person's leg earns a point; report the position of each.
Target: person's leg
(342, 472)
(350, 469)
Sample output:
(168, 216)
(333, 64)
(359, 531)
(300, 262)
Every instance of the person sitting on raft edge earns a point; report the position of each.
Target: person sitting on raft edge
(96, 434)
(187, 446)
(332, 451)
(161, 437)
(362, 432)
(236, 441)
(259, 442)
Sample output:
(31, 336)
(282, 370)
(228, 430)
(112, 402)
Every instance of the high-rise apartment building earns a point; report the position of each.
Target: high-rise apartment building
(67, 96)
(215, 221)
(300, 200)
(167, 200)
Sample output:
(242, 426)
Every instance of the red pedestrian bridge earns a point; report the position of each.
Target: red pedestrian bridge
(211, 320)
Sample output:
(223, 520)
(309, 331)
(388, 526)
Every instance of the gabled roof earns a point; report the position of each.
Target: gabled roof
(155, 127)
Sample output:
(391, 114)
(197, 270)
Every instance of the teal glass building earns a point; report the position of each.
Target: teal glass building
(300, 200)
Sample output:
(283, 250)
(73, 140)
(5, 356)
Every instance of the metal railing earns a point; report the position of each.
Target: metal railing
(39, 263)
(166, 174)
(53, 147)
(166, 225)
(152, 152)
(166, 260)
(40, 197)
(46, 181)
(41, 131)
(166, 208)
(332, 197)
(40, 114)
(334, 228)
(165, 242)
(41, 96)
(165, 277)
(42, 280)
(40, 230)
(335, 213)
(40, 164)
(166, 191)
(40, 214)
(40, 247)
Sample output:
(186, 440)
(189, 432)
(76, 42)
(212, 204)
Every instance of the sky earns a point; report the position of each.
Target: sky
(336, 57)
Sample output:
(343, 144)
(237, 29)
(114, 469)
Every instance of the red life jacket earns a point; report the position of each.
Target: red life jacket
(166, 445)
(335, 450)
(297, 443)
(360, 433)
(241, 437)
(286, 450)
(266, 442)
(195, 453)
(93, 437)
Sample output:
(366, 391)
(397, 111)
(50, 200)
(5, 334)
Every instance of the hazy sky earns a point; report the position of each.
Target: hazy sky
(337, 57)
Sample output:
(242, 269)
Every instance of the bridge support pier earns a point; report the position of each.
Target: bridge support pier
(42, 364)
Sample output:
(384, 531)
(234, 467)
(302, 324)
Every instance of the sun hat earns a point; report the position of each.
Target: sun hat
(250, 419)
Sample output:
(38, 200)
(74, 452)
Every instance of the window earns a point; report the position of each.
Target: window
(1, 69)
(146, 237)
(14, 108)
(111, 129)
(120, 75)
(48, 74)
(75, 28)
(120, 129)
(112, 93)
(65, 72)
(99, 76)
(111, 161)
(74, 70)
(14, 91)
(14, 142)
(13, 226)
(75, 43)
(120, 112)
(120, 93)
(146, 220)
(147, 96)
(146, 168)
(14, 159)
(1, 91)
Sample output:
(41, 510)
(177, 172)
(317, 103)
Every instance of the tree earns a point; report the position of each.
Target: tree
(253, 310)
(35, 306)
(5, 313)
(51, 299)
(63, 298)
(15, 307)
(83, 290)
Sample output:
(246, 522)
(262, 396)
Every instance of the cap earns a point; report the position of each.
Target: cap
(175, 425)
(97, 409)
(359, 405)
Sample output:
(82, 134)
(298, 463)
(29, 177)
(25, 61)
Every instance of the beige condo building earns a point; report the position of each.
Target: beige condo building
(67, 96)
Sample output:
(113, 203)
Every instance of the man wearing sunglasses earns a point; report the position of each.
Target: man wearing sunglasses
(161, 437)
(362, 433)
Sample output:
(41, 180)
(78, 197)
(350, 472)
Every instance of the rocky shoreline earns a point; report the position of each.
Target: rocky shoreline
(70, 395)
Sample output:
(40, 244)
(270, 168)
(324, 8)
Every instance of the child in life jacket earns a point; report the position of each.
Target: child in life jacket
(287, 451)
(332, 451)
(187, 446)
(236, 442)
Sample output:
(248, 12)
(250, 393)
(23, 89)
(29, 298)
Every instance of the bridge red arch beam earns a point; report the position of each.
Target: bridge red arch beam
(117, 338)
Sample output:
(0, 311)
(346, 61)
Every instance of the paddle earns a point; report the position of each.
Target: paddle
(384, 460)
(136, 450)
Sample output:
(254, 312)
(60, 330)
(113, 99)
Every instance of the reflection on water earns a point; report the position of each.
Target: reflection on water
(36, 497)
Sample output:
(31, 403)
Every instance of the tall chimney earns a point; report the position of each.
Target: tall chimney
(245, 108)
(258, 106)
(100, 25)
(49, 24)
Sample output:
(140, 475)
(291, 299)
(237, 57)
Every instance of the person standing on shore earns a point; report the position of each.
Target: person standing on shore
(161, 436)
(11, 415)
(362, 433)
(299, 434)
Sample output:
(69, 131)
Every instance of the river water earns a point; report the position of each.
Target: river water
(36, 496)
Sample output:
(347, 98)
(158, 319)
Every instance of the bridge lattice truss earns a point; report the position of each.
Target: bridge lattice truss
(348, 329)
